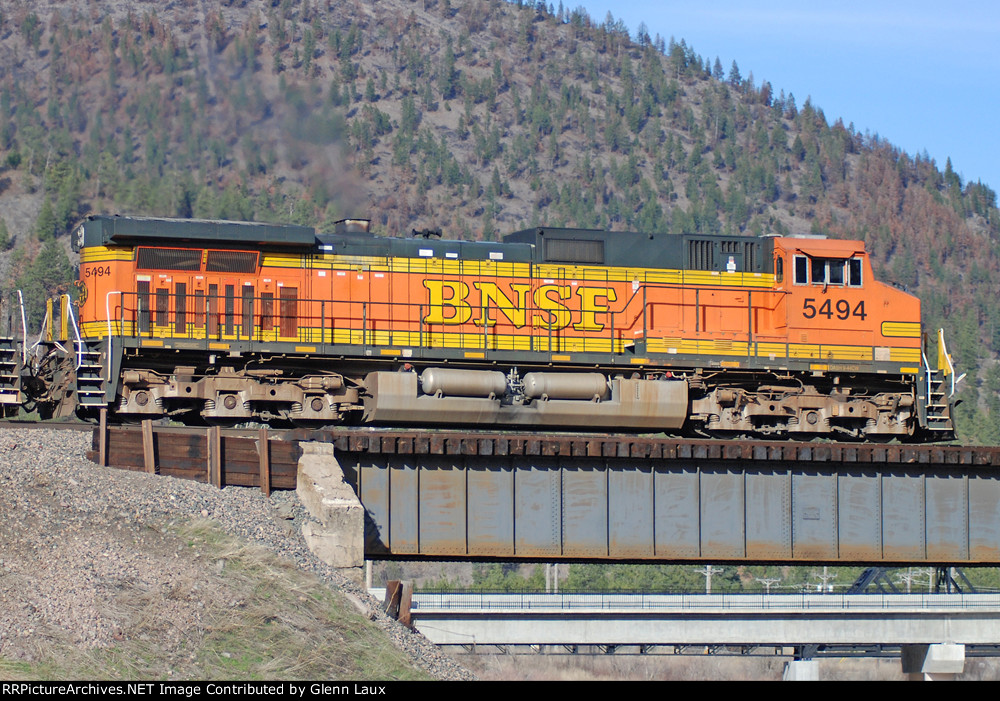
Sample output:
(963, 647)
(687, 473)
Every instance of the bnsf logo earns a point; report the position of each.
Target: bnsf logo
(450, 303)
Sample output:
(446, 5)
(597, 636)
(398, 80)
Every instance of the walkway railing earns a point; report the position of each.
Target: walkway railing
(569, 602)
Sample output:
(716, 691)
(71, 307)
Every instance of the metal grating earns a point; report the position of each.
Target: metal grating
(231, 262)
(168, 259)
(701, 255)
(573, 251)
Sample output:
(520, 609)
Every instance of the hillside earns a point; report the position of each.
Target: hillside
(476, 116)
(161, 578)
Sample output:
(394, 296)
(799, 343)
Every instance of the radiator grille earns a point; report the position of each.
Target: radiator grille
(231, 262)
(573, 251)
(168, 259)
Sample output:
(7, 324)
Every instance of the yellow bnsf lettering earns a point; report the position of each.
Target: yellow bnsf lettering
(447, 302)
(558, 313)
(452, 303)
(492, 298)
(590, 307)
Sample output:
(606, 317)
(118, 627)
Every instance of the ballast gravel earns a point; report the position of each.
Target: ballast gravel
(72, 533)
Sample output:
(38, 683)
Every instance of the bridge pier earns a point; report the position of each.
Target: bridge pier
(935, 662)
(337, 536)
(801, 671)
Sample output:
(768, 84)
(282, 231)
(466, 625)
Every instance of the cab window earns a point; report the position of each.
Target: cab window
(801, 270)
(828, 271)
(835, 272)
(854, 272)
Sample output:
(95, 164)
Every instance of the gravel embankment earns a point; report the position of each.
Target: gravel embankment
(71, 533)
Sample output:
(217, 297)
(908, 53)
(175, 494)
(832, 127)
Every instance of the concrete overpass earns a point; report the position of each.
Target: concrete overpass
(930, 631)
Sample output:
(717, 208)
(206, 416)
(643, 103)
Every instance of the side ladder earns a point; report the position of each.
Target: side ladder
(938, 406)
(941, 386)
(11, 396)
(90, 378)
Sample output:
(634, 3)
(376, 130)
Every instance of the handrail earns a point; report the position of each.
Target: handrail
(76, 331)
(951, 367)
(380, 322)
(624, 601)
(24, 330)
(41, 333)
(927, 374)
(107, 310)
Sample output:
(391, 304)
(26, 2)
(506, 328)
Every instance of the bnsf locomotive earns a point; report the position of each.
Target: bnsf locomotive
(553, 329)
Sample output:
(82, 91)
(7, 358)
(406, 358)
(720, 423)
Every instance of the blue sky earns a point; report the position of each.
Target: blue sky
(922, 75)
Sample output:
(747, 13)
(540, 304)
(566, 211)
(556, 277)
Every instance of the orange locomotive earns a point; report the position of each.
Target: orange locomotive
(233, 322)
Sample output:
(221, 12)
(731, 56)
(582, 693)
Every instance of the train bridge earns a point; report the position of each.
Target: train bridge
(506, 496)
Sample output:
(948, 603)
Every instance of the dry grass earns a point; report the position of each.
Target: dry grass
(241, 614)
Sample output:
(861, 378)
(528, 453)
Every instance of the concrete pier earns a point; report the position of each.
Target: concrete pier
(337, 535)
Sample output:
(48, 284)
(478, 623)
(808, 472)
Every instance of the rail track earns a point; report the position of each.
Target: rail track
(185, 449)
(233, 455)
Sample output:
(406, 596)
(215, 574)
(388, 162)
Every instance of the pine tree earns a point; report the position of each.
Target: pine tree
(734, 75)
(45, 225)
(5, 238)
(448, 76)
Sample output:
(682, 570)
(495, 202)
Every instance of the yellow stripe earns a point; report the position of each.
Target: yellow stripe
(904, 355)
(910, 371)
(422, 266)
(803, 350)
(151, 342)
(768, 349)
(563, 346)
(697, 347)
(439, 266)
(488, 268)
(279, 260)
(104, 253)
(901, 329)
(846, 352)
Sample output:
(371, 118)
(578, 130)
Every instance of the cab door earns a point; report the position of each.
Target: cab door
(246, 319)
(267, 320)
(182, 305)
(142, 302)
(288, 311)
(199, 305)
(777, 300)
(161, 305)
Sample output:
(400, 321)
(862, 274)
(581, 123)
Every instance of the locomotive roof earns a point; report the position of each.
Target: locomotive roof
(647, 250)
(102, 230)
(573, 247)
(538, 245)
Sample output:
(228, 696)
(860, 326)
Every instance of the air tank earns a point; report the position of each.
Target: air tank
(463, 383)
(566, 385)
